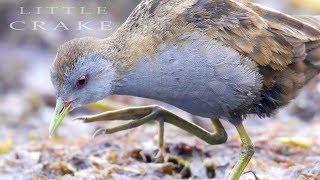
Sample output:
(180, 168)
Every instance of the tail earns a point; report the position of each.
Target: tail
(312, 47)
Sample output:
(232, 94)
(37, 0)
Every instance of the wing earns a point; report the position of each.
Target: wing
(313, 21)
(268, 37)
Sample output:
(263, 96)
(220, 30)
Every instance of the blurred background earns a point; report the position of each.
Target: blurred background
(287, 144)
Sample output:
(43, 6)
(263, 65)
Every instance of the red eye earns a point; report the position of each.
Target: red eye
(82, 81)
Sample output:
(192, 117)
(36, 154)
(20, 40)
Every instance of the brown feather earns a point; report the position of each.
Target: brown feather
(270, 38)
(286, 48)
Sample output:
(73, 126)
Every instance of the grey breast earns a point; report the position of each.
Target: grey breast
(200, 76)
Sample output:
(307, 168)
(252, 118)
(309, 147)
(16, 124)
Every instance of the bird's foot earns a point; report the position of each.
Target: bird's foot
(141, 115)
(160, 157)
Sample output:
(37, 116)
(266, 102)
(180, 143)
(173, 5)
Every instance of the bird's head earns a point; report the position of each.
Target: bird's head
(80, 74)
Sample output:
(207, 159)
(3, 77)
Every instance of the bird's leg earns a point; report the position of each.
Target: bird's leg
(160, 155)
(247, 151)
(149, 113)
(130, 125)
(129, 114)
(146, 113)
(123, 114)
(218, 137)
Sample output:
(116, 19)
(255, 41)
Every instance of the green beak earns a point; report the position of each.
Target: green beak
(61, 111)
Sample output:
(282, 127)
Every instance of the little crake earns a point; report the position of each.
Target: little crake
(220, 59)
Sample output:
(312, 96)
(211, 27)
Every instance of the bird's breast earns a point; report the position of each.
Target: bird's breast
(198, 75)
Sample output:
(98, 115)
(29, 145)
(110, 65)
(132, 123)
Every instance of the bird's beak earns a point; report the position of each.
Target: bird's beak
(61, 111)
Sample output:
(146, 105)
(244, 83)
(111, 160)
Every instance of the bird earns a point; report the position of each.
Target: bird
(217, 59)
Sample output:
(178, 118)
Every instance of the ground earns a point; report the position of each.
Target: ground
(287, 144)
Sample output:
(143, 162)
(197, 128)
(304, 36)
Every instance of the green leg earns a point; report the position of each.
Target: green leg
(130, 125)
(218, 137)
(247, 151)
(123, 114)
(160, 155)
(141, 115)
(148, 113)
(155, 112)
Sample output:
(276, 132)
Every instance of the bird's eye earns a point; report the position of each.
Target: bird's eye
(82, 81)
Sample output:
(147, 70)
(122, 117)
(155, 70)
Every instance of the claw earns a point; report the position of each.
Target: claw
(79, 119)
(98, 133)
(160, 157)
